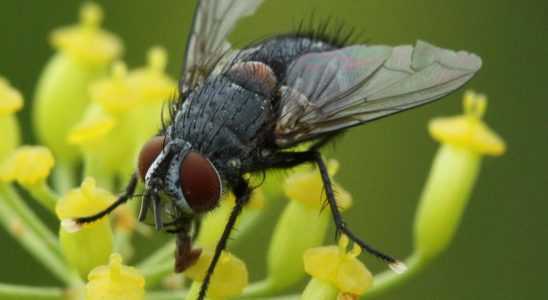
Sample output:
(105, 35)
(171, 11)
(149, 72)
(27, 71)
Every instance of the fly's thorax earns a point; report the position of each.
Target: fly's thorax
(186, 176)
(225, 117)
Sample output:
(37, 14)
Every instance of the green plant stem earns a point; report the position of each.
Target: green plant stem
(167, 295)
(258, 288)
(44, 195)
(154, 274)
(30, 219)
(35, 244)
(161, 255)
(389, 279)
(64, 177)
(20, 292)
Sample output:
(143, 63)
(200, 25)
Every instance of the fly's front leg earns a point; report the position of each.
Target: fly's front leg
(242, 192)
(130, 190)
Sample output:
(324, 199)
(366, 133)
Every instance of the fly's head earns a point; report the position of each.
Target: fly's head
(175, 169)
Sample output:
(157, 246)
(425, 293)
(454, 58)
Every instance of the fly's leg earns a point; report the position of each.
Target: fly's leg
(130, 190)
(242, 192)
(291, 159)
(394, 264)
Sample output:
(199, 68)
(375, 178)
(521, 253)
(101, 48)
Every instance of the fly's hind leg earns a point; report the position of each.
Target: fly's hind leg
(291, 159)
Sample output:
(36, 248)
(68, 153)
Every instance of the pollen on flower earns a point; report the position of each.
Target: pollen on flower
(468, 130)
(115, 281)
(342, 269)
(28, 165)
(307, 187)
(10, 99)
(86, 41)
(91, 130)
(230, 276)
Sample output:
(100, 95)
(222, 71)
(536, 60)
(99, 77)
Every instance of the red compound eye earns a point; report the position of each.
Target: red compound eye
(200, 183)
(148, 154)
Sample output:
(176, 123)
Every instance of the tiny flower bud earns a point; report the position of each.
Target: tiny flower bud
(301, 225)
(333, 266)
(229, 278)
(115, 282)
(92, 245)
(28, 165)
(454, 171)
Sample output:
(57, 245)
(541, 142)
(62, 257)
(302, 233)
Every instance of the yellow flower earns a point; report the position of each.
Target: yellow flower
(229, 279)
(454, 171)
(115, 282)
(91, 246)
(10, 99)
(335, 271)
(28, 165)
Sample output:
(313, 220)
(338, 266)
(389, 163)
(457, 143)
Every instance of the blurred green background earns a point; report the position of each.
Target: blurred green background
(501, 249)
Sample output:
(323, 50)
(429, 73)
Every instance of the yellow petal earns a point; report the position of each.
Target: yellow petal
(468, 130)
(115, 282)
(86, 41)
(28, 165)
(10, 99)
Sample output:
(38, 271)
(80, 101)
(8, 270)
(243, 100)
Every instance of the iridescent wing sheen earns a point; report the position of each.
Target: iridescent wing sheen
(213, 21)
(329, 91)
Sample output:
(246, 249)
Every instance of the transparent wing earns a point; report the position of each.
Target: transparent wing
(213, 21)
(330, 91)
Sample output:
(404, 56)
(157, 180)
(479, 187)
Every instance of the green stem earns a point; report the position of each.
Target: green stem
(20, 292)
(154, 274)
(170, 295)
(389, 279)
(35, 243)
(161, 255)
(259, 288)
(30, 219)
(64, 177)
(44, 195)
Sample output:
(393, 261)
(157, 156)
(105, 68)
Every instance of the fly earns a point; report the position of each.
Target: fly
(241, 111)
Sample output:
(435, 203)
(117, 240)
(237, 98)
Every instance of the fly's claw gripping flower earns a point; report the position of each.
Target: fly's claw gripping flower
(300, 224)
(84, 54)
(28, 165)
(115, 282)
(229, 278)
(335, 271)
(465, 139)
(92, 245)
(11, 101)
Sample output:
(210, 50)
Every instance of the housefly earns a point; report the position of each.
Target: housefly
(242, 111)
